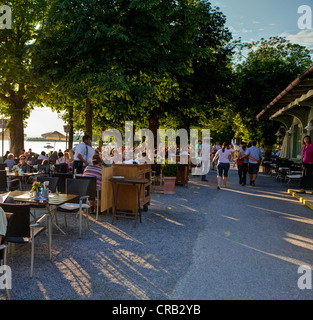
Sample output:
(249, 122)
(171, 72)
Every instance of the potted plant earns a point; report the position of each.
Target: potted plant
(169, 171)
(36, 188)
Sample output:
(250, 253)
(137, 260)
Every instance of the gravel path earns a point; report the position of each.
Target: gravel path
(116, 261)
(202, 243)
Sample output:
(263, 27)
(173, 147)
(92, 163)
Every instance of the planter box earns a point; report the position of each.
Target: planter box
(169, 185)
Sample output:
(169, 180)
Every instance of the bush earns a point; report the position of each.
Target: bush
(170, 169)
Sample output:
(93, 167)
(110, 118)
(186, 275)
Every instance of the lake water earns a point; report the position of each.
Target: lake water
(36, 146)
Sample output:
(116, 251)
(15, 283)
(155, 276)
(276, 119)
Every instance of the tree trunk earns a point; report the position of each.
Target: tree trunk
(154, 122)
(16, 127)
(71, 124)
(88, 121)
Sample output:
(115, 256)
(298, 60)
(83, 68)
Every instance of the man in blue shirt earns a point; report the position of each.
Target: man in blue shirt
(255, 157)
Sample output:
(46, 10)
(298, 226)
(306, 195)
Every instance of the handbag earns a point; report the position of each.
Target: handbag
(239, 162)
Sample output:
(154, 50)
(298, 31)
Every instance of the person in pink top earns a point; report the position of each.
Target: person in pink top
(307, 164)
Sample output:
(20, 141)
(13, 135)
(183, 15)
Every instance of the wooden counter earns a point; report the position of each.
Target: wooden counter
(127, 197)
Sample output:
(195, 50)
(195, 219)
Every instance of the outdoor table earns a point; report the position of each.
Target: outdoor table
(55, 199)
(116, 182)
(22, 178)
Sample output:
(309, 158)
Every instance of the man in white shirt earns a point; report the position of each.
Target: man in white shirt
(255, 157)
(81, 155)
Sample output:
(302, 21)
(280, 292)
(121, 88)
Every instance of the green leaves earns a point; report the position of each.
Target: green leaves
(271, 65)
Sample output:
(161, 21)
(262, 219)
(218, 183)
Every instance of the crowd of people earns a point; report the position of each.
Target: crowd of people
(86, 160)
(246, 158)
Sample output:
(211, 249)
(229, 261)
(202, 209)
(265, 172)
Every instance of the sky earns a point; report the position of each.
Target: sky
(249, 19)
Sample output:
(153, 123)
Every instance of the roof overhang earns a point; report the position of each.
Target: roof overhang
(299, 92)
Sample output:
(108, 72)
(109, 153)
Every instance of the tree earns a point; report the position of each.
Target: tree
(145, 61)
(271, 65)
(19, 90)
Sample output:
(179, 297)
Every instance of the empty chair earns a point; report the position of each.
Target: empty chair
(7, 184)
(20, 230)
(44, 169)
(63, 168)
(53, 182)
(62, 178)
(92, 192)
(80, 204)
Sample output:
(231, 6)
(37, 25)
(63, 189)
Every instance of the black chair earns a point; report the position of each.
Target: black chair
(92, 192)
(53, 182)
(62, 178)
(78, 205)
(19, 229)
(2, 166)
(7, 184)
(44, 169)
(63, 168)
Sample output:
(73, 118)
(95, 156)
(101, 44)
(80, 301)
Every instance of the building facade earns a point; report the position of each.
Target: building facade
(293, 108)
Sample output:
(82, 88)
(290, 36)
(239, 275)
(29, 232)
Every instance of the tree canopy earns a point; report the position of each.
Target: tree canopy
(19, 89)
(153, 62)
(271, 65)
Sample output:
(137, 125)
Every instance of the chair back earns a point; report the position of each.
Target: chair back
(92, 188)
(62, 167)
(3, 181)
(19, 222)
(44, 167)
(2, 166)
(53, 182)
(78, 187)
(62, 178)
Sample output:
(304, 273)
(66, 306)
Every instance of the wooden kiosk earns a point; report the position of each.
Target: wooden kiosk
(127, 196)
(183, 171)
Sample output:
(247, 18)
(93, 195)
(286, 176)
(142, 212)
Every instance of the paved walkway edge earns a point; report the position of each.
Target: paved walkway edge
(306, 202)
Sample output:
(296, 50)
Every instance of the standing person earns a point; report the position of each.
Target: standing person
(224, 156)
(307, 164)
(242, 165)
(81, 155)
(216, 147)
(255, 156)
(205, 153)
(198, 155)
(91, 152)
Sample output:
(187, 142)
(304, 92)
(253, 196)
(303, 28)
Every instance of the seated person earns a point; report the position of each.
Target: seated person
(10, 161)
(23, 164)
(30, 159)
(42, 156)
(94, 170)
(54, 156)
(62, 160)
